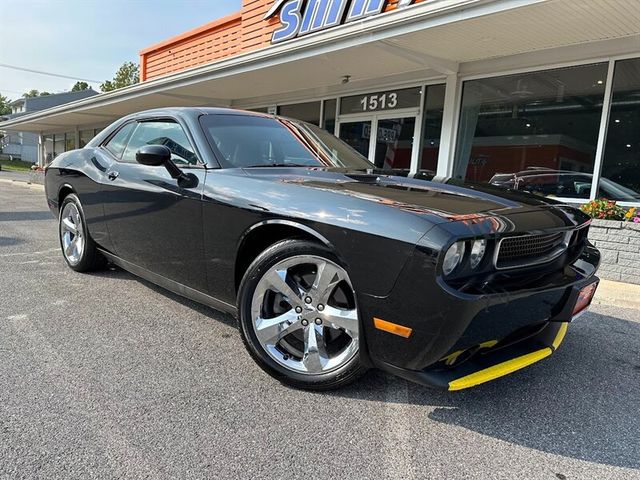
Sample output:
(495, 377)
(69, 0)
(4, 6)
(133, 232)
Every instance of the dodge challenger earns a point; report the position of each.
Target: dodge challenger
(330, 266)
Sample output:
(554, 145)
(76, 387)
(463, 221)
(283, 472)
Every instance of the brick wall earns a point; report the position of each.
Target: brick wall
(619, 244)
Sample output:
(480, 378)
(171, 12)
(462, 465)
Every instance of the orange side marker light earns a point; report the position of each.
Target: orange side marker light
(392, 327)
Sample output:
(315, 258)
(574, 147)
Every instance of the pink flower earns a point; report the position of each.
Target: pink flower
(636, 220)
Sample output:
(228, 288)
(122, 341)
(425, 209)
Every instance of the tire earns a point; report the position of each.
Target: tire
(307, 337)
(78, 248)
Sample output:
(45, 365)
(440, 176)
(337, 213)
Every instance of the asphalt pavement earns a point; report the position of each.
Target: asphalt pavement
(106, 376)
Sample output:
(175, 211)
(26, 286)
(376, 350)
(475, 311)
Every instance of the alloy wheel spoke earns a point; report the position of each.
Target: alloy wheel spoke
(272, 330)
(70, 247)
(339, 318)
(327, 278)
(69, 225)
(315, 353)
(277, 280)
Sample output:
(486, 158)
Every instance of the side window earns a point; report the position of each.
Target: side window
(167, 133)
(119, 140)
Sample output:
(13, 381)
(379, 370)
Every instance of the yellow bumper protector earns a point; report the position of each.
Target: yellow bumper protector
(510, 366)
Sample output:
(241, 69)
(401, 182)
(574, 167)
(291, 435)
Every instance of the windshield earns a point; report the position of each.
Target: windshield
(242, 141)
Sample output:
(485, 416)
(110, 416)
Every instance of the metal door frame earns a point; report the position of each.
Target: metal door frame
(375, 117)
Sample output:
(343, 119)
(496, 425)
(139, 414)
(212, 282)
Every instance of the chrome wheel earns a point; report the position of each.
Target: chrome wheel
(71, 233)
(304, 315)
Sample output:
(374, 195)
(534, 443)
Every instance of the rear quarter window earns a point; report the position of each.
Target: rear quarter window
(118, 142)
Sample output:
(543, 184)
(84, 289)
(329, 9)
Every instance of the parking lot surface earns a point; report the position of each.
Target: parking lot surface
(104, 375)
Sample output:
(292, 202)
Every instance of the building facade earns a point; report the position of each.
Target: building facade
(25, 145)
(541, 95)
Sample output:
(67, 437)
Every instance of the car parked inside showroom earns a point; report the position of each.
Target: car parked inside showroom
(331, 266)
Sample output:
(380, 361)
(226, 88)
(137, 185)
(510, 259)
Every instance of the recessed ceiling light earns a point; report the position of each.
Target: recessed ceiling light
(617, 120)
(628, 145)
(528, 125)
(600, 82)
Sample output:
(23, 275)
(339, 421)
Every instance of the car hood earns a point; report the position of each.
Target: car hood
(442, 202)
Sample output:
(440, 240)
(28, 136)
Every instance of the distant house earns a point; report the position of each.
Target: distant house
(24, 145)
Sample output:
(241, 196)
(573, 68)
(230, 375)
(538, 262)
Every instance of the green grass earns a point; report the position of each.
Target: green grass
(15, 165)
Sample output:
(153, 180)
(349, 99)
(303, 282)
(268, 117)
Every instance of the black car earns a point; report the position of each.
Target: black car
(330, 266)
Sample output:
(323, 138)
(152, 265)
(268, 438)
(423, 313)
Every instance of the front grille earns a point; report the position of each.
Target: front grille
(529, 250)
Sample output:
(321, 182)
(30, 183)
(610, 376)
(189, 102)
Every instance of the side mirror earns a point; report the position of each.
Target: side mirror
(156, 155)
(153, 155)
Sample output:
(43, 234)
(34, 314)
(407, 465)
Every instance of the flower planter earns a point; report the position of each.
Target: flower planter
(619, 244)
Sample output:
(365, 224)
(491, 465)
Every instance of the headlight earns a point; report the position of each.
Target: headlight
(453, 257)
(477, 252)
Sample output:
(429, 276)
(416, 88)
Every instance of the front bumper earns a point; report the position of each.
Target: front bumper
(494, 333)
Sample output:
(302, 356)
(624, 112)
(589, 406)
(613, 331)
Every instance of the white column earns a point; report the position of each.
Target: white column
(40, 150)
(417, 133)
(450, 116)
(602, 133)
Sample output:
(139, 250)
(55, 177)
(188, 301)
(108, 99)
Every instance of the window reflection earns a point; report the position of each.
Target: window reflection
(431, 130)
(534, 131)
(621, 161)
(329, 121)
(307, 112)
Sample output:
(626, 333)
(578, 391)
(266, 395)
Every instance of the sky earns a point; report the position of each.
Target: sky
(89, 39)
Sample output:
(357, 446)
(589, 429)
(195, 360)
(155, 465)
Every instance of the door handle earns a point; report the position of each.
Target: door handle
(112, 175)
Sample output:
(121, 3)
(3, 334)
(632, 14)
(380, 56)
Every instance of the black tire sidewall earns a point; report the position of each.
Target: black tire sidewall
(267, 259)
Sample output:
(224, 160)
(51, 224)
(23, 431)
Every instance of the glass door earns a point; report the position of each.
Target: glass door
(394, 143)
(386, 140)
(358, 135)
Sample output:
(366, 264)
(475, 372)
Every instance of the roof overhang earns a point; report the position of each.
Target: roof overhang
(429, 40)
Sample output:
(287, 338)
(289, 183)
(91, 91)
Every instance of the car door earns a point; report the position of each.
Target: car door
(152, 221)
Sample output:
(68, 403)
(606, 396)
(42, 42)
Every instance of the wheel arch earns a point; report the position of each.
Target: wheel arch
(262, 235)
(63, 191)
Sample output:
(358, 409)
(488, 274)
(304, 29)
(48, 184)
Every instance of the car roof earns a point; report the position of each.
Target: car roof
(194, 111)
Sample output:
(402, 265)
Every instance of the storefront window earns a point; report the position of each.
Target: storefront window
(85, 137)
(535, 131)
(620, 178)
(48, 149)
(329, 120)
(431, 129)
(58, 144)
(70, 141)
(357, 134)
(307, 112)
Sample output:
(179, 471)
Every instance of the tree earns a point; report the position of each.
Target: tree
(34, 93)
(79, 86)
(127, 74)
(5, 109)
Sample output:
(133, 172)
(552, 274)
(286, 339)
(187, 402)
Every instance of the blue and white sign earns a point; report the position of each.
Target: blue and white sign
(301, 17)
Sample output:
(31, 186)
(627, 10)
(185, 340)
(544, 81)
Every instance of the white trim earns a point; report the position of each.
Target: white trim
(347, 92)
(450, 120)
(602, 132)
(336, 128)
(417, 133)
(581, 53)
(533, 69)
(382, 114)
